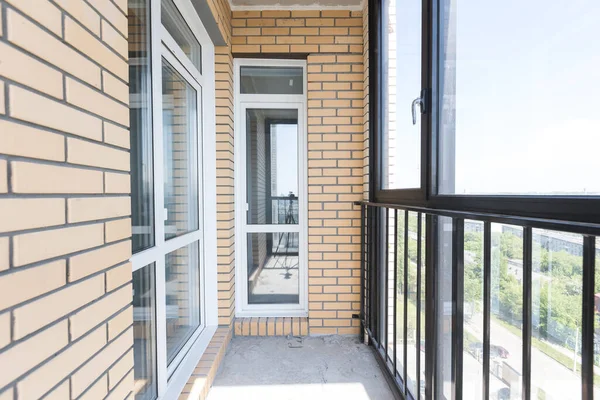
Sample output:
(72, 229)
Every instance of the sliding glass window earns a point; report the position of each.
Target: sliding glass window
(485, 122)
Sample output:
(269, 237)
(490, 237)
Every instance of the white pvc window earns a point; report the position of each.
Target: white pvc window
(271, 188)
(173, 216)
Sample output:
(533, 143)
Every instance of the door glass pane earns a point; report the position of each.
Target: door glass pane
(173, 21)
(473, 311)
(182, 287)
(412, 346)
(144, 333)
(271, 80)
(557, 285)
(273, 268)
(506, 313)
(519, 108)
(401, 85)
(180, 133)
(272, 166)
(140, 136)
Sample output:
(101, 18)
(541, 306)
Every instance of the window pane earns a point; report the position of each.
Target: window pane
(144, 333)
(400, 304)
(273, 268)
(180, 133)
(180, 31)
(272, 80)
(473, 311)
(519, 109)
(182, 287)
(412, 346)
(140, 116)
(506, 313)
(401, 85)
(272, 166)
(557, 285)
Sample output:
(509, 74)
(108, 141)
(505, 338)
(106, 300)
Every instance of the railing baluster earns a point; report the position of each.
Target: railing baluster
(527, 286)
(395, 287)
(362, 267)
(418, 305)
(587, 342)
(405, 294)
(458, 241)
(385, 270)
(487, 269)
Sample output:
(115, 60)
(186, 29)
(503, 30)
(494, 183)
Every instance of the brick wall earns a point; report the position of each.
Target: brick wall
(225, 158)
(332, 42)
(65, 315)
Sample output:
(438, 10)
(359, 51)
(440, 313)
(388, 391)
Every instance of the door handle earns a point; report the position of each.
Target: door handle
(419, 101)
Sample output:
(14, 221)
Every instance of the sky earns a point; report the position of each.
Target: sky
(287, 159)
(527, 96)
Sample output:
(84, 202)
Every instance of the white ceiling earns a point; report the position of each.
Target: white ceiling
(293, 4)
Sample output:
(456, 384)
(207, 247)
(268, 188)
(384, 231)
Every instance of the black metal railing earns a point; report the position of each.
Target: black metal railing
(462, 305)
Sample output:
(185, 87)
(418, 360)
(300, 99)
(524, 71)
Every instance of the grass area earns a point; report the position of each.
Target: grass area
(547, 349)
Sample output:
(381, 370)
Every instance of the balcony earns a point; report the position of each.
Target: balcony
(297, 368)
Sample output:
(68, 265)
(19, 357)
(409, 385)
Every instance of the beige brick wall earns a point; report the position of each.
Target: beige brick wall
(332, 42)
(64, 200)
(225, 160)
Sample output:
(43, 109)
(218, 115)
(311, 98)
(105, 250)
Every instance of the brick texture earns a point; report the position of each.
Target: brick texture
(64, 200)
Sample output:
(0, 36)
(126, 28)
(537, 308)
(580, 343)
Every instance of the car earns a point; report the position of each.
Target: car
(498, 352)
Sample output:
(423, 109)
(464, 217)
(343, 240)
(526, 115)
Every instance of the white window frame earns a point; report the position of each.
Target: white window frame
(269, 101)
(171, 379)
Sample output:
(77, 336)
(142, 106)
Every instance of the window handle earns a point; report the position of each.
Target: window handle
(419, 101)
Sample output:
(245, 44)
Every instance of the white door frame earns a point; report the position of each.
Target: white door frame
(269, 101)
(171, 379)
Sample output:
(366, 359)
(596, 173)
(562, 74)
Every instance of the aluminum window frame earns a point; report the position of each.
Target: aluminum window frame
(579, 214)
(171, 379)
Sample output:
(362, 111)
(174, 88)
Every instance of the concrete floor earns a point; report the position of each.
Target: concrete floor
(313, 368)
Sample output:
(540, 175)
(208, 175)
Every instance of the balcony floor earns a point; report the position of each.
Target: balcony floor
(313, 368)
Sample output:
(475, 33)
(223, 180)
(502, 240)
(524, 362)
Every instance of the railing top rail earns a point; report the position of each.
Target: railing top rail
(540, 223)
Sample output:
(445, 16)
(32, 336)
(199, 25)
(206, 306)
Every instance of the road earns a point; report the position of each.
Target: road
(547, 375)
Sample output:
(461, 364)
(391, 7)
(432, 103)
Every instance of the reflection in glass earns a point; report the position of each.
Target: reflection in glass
(400, 296)
(180, 133)
(182, 287)
(412, 345)
(503, 89)
(557, 285)
(506, 311)
(273, 268)
(140, 116)
(272, 166)
(271, 80)
(401, 85)
(173, 21)
(473, 311)
(144, 333)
